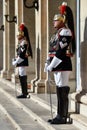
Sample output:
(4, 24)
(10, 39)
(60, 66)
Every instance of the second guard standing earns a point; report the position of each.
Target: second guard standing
(21, 61)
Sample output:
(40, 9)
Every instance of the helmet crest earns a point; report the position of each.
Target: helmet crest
(21, 27)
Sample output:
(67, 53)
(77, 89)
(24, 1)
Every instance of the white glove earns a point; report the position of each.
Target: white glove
(47, 64)
(17, 60)
(49, 68)
(54, 63)
(13, 61)
(45, 68)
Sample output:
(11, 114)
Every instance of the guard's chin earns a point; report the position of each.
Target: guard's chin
(20, 37)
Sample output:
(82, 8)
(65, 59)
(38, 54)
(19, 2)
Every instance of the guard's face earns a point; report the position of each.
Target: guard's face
(57, 23)
(20, 35)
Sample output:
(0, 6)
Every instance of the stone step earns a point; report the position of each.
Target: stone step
(35, 108)
(6, 122)
(22, 118)
(79, 103)
(79, 121)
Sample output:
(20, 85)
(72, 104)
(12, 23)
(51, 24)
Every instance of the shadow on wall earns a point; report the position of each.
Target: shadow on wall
(83, 49)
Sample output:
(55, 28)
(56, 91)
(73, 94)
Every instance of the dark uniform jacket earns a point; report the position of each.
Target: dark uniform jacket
(21, 52)
(59, 44)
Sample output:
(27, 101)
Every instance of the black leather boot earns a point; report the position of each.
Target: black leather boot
(65, 92)
(62, 105)
(23, 82)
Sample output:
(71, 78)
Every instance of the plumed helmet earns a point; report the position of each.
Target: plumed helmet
(66, 11)
(23, 31)
(59, 17)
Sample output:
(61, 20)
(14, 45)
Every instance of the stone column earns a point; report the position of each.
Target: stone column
(3, 72)
(1, 35)
(8, 39)
(41, 45)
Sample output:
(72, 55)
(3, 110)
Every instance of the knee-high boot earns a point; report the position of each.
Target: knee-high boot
(23, 82)
(62, 105)
(63, 101)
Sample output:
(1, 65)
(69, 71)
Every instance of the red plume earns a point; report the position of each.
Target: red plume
(62, 9)
(21, 27)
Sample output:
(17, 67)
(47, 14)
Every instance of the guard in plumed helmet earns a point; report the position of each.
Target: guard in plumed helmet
(24, 50)
(61, 48)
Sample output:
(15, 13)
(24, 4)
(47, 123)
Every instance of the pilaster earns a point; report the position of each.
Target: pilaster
(8, 40)
(41, 45)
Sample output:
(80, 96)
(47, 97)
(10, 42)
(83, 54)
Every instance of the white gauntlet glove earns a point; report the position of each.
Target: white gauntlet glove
(54, 63)
(17, 60)
(47, 64)
(45, 68)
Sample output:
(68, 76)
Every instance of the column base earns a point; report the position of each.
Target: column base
(3, 74)
(40, 86)
(50, 86)
(6, 74)
(33, 84)
(14, 78)
(43, 86)
(79, 103)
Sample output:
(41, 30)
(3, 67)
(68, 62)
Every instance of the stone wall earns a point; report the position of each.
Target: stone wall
(1, 34)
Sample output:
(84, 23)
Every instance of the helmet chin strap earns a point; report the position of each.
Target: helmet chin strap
(20, 37)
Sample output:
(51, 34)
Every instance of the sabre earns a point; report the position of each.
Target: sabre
(50, 96)
(15, 84)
